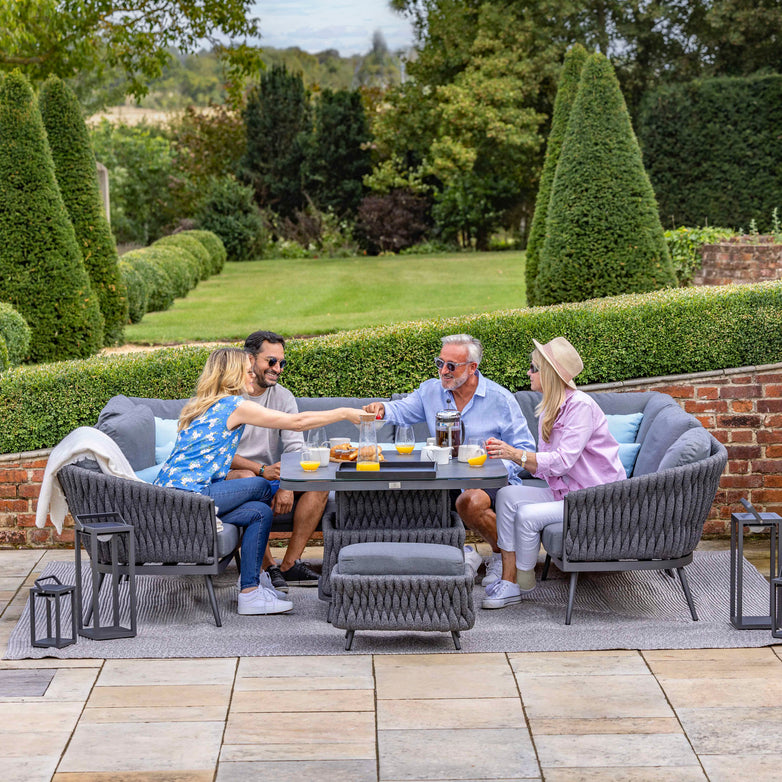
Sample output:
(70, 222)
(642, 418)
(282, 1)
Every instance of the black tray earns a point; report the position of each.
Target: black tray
(389, 471)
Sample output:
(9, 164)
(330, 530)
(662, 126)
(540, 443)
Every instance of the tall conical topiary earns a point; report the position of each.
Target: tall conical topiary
(75, 169)
(603, 233)
(567, 88)
(41, 271)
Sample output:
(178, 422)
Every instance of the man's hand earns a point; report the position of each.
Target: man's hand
(378, 408)
(282, 502)
(271, 472)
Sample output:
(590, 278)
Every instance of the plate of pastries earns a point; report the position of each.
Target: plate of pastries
(345, 452)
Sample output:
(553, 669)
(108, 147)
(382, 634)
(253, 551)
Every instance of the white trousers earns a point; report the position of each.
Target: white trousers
(522, 512)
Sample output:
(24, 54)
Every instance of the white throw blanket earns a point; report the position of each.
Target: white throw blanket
(82, 443)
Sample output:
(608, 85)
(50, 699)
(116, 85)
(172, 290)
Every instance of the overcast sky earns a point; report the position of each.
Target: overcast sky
(344, 25)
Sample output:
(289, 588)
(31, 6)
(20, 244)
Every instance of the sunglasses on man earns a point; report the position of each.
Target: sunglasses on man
(272, 361)
(449, 365)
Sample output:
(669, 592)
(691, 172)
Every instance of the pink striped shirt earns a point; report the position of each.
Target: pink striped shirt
(581, 451)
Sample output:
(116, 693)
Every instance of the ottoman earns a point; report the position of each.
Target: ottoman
(401, 586)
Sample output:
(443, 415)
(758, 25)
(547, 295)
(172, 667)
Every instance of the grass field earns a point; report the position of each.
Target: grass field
(318, 296)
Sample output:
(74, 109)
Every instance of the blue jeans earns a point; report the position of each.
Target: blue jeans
(245, 503)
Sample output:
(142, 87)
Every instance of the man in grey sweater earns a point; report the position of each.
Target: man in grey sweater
(259, 453)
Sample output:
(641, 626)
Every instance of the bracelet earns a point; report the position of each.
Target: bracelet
(261, 469)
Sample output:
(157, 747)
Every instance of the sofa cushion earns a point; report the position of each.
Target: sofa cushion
(628, 453)
(401, 559)
(385, 432)
(227, 540)
(668, 425)
(133, 430)
(624, 428)
(162, 408)
(551, 538)
(165, 437)
(622, 402)
(528, 401)
(691, 446)
(654, 405)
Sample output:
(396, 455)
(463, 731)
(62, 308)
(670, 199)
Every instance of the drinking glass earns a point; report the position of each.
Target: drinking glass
(477, 451)
(316, 438)
(309, 460)
(404, 439)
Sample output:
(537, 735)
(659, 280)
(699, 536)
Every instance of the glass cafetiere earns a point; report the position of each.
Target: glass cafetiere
(449, 430)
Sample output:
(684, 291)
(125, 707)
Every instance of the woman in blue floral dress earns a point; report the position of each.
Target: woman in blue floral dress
(210, 426)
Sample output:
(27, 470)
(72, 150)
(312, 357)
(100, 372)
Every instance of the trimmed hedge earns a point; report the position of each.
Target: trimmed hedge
(182, 267)
(15, 333)
(214, 246)
(158, 282)
(713, 149)
(4, 362)
(191, 245)
(75, 169)
(666, 332)
(138, 293)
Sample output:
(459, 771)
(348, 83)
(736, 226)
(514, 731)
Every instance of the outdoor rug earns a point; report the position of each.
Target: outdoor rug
(638, 610)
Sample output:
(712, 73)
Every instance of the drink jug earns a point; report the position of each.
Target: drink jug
(449, 430)
(368, 454)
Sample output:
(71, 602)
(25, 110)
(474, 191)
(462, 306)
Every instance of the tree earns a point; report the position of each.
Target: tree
(338, 157)
(75, 169)
(45, 37)
(603, 235)
(41, 270)
(566, 93)
(277, 120)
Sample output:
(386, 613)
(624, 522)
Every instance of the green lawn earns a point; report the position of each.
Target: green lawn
(318, 296)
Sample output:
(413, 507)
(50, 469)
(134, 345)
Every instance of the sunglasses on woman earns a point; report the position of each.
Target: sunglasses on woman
(533, 369)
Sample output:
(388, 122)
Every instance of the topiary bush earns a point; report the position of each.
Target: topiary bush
(75, 169)
(158, 282)
(182, 268)
(603, 233)
(15, 333)
(42, 273)
(666, 332)
(228, 209)
(214, 246)
(191, 245)
(575, 57)
(138, 293)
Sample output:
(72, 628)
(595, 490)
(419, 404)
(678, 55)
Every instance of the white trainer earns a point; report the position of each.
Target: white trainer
(472, 558)
(493, 570)
(262, 601)
(501, 594)
(266, 583)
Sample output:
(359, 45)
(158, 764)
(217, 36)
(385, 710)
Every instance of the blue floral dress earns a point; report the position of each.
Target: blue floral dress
(203, 452)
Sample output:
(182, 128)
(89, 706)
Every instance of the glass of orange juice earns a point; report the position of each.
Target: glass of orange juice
(309, 460)
(404, 439)
(477, 452)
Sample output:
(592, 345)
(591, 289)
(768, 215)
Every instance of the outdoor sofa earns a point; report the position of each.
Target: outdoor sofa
(652, 520)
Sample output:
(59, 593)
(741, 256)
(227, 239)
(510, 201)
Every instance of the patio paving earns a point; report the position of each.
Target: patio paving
(709, 714)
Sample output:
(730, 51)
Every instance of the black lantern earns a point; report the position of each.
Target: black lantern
(52, 594)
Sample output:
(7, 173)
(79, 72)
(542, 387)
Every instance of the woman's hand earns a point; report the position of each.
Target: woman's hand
(497, 449)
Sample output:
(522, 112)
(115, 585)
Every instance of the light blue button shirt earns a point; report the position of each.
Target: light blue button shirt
(492, 412)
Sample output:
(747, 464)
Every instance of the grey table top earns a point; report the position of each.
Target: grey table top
(454, 475)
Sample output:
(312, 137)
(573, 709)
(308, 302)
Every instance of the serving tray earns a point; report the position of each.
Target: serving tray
(389, 471)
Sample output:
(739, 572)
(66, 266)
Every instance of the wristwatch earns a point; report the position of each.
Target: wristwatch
(260, 472)
(523, 458)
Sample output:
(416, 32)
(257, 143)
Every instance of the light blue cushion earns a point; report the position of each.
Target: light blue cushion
(165, 437)
(150, 473)
(624, 428)
(628, 453)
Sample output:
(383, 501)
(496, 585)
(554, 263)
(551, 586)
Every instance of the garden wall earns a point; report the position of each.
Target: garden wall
(741, 407)
(748, 259)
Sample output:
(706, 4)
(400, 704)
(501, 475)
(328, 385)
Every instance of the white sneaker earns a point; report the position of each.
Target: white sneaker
(472, 558)
(262, 601)
(266, 583)
(493, 570)
(501, 594)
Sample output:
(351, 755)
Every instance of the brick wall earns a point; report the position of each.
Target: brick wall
(741, 407)
(740, 261)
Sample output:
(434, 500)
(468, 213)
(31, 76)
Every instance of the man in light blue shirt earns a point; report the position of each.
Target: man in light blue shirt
(488, 410)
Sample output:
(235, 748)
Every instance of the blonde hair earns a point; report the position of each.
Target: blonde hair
(553, 394)
(223, 375)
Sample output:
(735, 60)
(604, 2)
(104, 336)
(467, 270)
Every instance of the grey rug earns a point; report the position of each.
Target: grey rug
(641, 610)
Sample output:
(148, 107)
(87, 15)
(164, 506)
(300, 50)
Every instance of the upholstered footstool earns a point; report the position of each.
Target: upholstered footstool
(401, 586)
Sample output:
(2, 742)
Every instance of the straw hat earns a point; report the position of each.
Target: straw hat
(562, 357)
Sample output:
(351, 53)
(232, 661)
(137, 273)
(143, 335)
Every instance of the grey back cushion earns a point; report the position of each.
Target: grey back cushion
(385, 432)
(668, 425)
(132, 427)
(656, 403)
(691, 446)
(528, 401)
(162, 408)
(420, 430)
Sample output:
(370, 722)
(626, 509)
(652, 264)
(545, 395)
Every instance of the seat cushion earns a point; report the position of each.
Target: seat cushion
(401, 559)
(691, 446)
(227, 540)
(551, 537)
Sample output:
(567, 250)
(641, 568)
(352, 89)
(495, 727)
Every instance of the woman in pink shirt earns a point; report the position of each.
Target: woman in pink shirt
(576, 451)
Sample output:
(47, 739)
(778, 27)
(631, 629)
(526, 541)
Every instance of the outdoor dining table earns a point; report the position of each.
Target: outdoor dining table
(390, 504)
